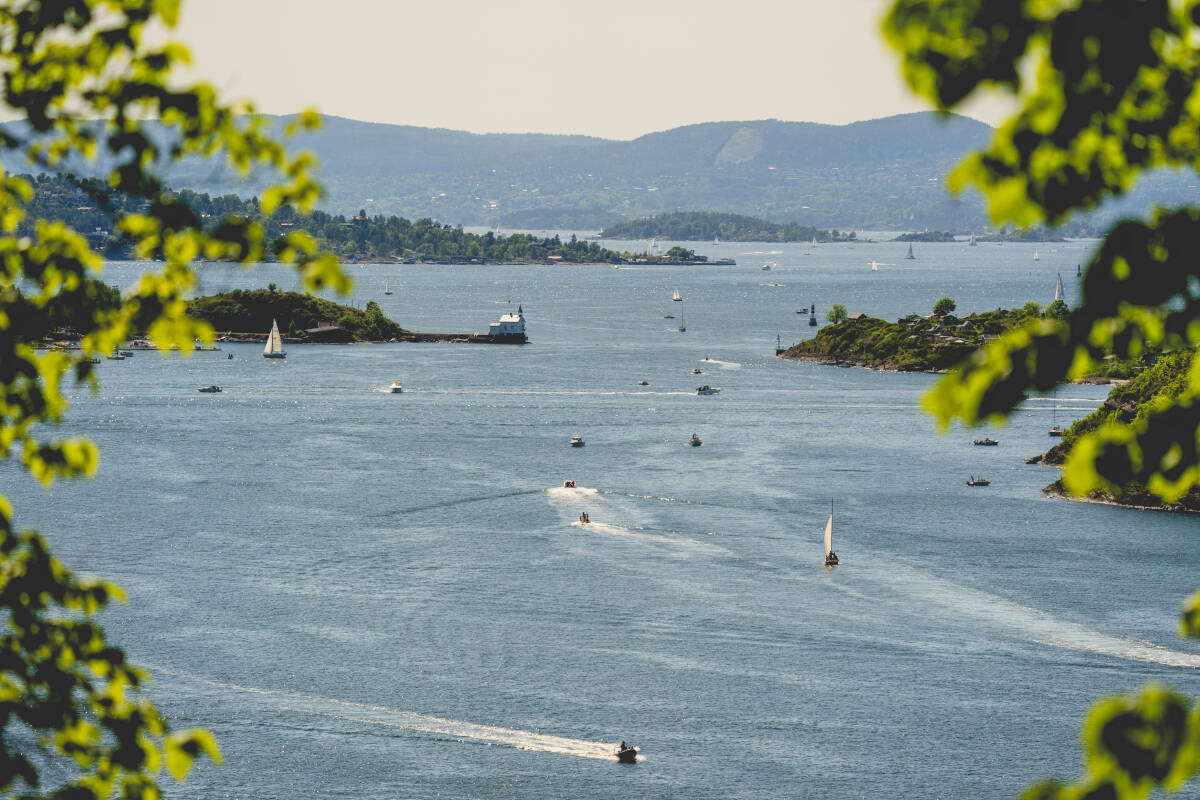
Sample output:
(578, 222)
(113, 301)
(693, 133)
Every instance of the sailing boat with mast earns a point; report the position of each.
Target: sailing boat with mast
(682, 326)
(274, 348)
(1058, 288)
(910, 253)
(387, 288)
(831, 559)
(676, 297)
(1054, 429)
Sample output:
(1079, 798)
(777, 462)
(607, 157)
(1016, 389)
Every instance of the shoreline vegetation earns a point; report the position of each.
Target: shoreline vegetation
(86, 205)
(704, 226)
(1126, 404)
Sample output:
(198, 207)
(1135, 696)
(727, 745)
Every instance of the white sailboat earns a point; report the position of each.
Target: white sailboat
(831, 559)
(1036, 257)
(1058, 288)
(910, 253)
(676, 297)
(874, 266)
(387, 288)
(274, 348)
(972, 242)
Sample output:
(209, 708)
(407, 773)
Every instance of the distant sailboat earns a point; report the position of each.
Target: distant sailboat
(814, 241)
(716, 240)
(682, 326)
(387, 289)
(1078, 271)
(972, 242)
(274, 348)
(874, 266)
(831, 559)
(1036, 257)
(676, 297)
(1058, 288)
(910, 253)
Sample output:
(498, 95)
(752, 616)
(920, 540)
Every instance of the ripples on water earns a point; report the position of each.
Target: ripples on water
(377, 595)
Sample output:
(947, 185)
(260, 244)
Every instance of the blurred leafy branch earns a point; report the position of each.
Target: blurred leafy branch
(83, 77)
(1107, 90)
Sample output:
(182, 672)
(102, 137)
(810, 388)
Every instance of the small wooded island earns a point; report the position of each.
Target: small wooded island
(704, 226)
(301, 317)
(1125, 404)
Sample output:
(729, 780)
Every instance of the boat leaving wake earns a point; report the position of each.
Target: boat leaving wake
(679, 542)
(571, 492)
(413, 721)
(722, 364)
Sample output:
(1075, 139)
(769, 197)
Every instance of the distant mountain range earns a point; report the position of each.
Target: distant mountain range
(883, 174)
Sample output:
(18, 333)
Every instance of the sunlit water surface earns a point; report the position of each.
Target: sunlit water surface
(376, 596)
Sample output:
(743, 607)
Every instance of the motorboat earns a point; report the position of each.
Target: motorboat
(584, 519)
(396, 388)
(697, 371)
(576, 441)
(115, 356)
(125, 353)
(229, 356)
(1055, 431)
(643, 383)
(669, 316)
(695, 441)
(973, 481)
(209, 389)
(568, 484)
(986, 442)
(706, 389)
(627, 754)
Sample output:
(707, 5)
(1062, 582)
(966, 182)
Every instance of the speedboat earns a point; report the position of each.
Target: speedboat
(209, 389)
(986, 442)
(978, 482)
(576, 441)
(706, 389)
(627, 754)
(396, 388)
(697, 371)
(643, 383)
(568, 484)
(584, 518)
(695, 441)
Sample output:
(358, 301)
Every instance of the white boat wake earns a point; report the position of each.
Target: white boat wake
(678, 542)
(722, 364)
(1040, 626)
(422, 723)
(571, 492)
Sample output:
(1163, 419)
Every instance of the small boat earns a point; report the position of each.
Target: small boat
(706, 389)
(125, 353)
(1036, 257)
(229, 357)
(387, 288)
(209, 389)
(669, 316)
(676, 297)
(1055, 431)
(643, 383)
(576, 441)
(697, 371)
(584, 518)
(115, 357)
(1058, 288)
(874, 266)
(627, 754)
(568, 484)
(1078, 271)
(910, 255)
(972, 242)
(274, 347)
(973, 481)
(766, 267)
(986, 442)
(92, 360)
(396, 388)
(694, 441)
(831, 559)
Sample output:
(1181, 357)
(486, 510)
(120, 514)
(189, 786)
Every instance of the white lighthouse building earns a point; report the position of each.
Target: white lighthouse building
(510, 328)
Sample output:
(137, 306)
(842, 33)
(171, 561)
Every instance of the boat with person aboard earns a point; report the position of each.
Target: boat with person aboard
(831, 559)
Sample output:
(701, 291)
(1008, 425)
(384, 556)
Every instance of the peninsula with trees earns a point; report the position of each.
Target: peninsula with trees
(704, 226)
(914, 343)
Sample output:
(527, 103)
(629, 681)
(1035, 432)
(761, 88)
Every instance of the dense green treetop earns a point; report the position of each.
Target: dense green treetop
(926, 236)
(253, 311)
(703, 226)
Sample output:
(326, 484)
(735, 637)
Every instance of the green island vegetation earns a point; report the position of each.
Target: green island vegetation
(921, 344)
(926, 236)
(703, 226)
(1130, 403)
(242, 311)
(88, 206)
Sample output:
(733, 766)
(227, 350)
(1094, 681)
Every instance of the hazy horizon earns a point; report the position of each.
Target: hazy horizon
(617, 70)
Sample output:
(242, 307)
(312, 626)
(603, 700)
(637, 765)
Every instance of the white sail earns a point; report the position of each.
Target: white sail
(910, 253)
(829, 535)
(972, 242)
(874, 266)
(1035, 256)
(676, 296)
(274, 346)
(1058, 288)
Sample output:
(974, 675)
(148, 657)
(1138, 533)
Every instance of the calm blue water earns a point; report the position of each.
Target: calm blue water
(382, 596)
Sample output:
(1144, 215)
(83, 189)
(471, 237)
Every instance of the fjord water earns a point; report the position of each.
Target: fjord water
(374, 595)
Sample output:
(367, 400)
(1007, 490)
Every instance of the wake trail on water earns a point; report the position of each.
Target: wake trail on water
(413, 721)
(1039, 626)
(721, 364)
(678, 542)
(458, 502)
